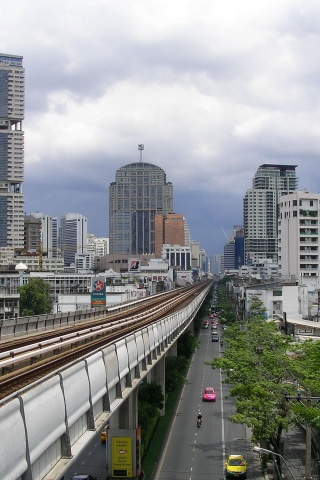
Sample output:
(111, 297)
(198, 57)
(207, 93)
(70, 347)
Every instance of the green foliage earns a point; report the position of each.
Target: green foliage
(256, 364)
(35, 298)
(187, 344)
(174, 377)
(151, 393)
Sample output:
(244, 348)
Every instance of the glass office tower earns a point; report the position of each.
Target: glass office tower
(140, 191)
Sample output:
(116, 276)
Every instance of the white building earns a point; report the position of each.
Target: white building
(298, 227)
(73, 235)
(99, 246)
(177, 256)
(84, 262)
(12, 97)
(49, 234)
(260, 209)
(279, 298)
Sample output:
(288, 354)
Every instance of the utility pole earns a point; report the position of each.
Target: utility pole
(309, 402)
(259, 351)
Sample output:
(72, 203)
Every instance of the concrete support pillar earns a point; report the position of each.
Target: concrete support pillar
(128, 412)
(173, 350)
(158, 377)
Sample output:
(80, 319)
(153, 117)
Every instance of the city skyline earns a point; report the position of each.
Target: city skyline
(209, 107)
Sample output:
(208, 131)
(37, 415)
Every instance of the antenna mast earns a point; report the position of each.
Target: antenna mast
(140, 147)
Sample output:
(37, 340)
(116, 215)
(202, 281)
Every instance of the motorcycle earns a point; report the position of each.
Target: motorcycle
(199, 422)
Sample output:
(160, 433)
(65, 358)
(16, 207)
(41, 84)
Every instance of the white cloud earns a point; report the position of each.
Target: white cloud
(213, 89)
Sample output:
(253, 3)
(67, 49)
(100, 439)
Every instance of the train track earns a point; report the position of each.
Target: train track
(26, 360)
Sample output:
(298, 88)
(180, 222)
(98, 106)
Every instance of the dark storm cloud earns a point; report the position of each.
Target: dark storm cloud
(213, 90)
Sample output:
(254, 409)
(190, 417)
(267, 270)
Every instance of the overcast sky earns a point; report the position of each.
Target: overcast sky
(212, 88)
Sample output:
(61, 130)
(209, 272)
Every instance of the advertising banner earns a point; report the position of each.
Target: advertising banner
(98, 292)
(133, 265)
(122, 457)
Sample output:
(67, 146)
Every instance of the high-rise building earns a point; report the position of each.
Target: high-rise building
(49, 234)
(32, 234)
(73, 235)
(169, 229)
(140, 191)
(12, 95)
(260, 210)
(299, 239)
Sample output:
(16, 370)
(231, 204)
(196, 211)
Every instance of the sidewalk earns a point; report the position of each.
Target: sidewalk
(294, 455)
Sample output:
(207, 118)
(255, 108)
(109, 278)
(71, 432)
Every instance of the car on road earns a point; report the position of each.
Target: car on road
(236, 466)
(215, 337)
(205, 324)
(209, 394)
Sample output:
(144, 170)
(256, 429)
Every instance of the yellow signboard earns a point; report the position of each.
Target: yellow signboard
(121, 457)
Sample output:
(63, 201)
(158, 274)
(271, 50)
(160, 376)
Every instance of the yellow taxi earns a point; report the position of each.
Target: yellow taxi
(103, 435)
(236, 466)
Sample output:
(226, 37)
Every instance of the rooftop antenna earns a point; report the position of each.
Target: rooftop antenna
(141, 147)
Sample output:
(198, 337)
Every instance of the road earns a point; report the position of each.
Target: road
(198, 454)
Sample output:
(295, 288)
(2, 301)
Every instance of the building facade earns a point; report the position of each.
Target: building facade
(299, 239)
(140, 191)
(169, 229)
(12, 98)
(260, 209)
(73, 235)
(49, 234)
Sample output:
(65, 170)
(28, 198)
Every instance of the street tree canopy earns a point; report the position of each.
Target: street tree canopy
(35, 298)
(256, 364)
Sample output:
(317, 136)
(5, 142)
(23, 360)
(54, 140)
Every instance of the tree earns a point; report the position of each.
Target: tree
(35, 298)
(256, 363)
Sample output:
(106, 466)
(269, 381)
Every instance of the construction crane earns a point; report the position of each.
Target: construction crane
(225, 233)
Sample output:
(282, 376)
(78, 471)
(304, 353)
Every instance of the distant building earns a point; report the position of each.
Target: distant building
(299, 240)
(170, 229)
(177, 256)
(12, 98)
(49, 234)
(260, 209)
(72, 236)
(99, 246)
(32, 234)
(215, 264)
(140, 191)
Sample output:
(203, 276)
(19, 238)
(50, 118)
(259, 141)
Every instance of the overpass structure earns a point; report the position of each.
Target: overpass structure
(43, 428)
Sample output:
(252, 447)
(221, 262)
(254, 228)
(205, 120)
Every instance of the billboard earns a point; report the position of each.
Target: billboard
(133, 265)
(98, 292)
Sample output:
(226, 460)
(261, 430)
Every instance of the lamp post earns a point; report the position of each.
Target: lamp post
(264, 450)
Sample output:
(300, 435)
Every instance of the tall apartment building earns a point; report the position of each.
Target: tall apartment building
(260, 209)
(32, 234)
(299, 239)
(12, 96)
(140, 191)
(49, 234)
(169, 229)
(73, 234)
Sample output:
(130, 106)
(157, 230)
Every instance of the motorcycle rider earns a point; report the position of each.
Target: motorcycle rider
(199, 419)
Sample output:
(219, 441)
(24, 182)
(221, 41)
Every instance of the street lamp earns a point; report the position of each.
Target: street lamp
(264, 450)
(21, 267)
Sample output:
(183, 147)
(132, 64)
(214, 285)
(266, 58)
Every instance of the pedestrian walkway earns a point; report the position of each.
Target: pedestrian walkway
(294, 454)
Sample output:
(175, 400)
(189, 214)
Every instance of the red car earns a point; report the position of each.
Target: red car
(209, 395)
